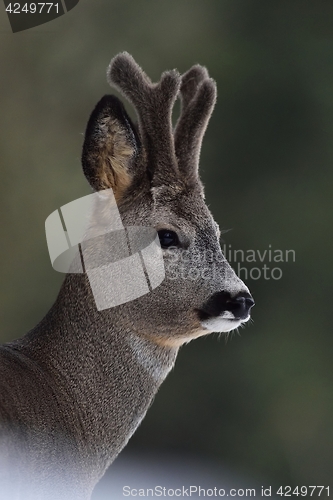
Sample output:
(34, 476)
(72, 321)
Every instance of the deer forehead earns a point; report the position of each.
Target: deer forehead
(187, 213)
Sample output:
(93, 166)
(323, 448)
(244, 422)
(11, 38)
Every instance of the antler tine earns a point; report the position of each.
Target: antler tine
(127, 76)
(153, 103)
(198, 95)
(190, 82)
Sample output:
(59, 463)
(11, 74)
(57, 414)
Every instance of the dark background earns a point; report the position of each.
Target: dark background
(262, 403)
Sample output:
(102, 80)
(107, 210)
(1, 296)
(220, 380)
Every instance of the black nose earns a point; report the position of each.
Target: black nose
(240, 305)
(220, 302)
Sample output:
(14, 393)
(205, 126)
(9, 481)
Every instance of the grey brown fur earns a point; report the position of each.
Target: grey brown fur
(75, 388)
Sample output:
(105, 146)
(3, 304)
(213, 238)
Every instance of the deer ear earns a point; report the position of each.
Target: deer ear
(110, 147)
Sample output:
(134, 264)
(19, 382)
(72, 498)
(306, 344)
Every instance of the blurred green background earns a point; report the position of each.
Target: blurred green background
(262, 403)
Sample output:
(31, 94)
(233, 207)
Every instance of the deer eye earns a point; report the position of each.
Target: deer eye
(168, 238)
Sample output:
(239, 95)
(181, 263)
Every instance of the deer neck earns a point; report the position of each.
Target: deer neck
(101, 370)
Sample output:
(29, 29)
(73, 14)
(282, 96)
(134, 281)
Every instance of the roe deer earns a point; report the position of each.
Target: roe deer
(76, 387)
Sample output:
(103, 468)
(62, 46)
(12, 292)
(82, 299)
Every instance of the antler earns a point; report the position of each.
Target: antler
(169, 155)
(198, 96)
(153, 103)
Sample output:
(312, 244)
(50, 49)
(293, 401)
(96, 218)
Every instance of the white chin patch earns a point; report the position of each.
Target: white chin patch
(223, 323)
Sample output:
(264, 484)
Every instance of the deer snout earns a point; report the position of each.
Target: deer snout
(224, 311)
(239, 305)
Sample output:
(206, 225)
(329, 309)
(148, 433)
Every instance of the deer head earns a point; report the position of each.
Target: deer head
(153, 172)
